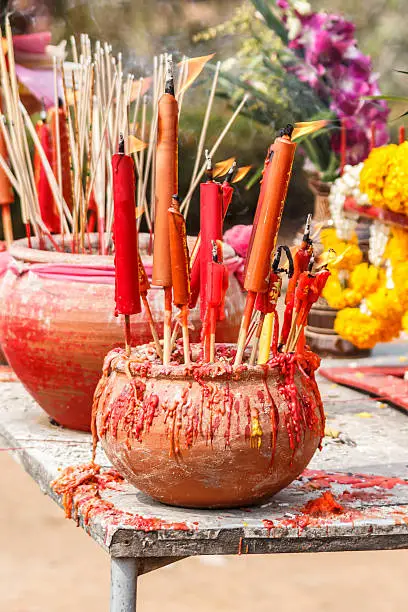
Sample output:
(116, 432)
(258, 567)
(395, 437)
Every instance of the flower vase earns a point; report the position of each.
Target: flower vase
(321, 191)
(321, 337)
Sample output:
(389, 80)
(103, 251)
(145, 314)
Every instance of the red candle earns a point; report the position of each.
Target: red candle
(125, 236)
(301, 262)
(264, 182)
(180, 265)
(227, 193)
(270, 204)
(166, 181)
(48, 209)
(210, 230)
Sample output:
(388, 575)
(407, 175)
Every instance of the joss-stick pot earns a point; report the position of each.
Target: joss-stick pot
(209, 435)
(57, 322)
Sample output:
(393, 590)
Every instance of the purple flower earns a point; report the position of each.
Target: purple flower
(333, 66)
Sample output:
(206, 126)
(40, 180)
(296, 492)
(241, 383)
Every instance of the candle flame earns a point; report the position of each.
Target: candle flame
(304, 128)
(222, 167)
(134, 145)
(193, 68)
(241, 173)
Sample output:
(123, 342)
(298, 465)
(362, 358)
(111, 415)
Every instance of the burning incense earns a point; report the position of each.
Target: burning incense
(301, 262)
(180, 270)
(127, 291)
(265, 231)
(166, 186)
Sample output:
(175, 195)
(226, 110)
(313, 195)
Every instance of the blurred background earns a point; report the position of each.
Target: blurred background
(142, 29)
(46, 564)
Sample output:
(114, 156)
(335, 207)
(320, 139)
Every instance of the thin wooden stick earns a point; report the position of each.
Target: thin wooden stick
(255, 345)
(186, 335)
(7, 224)
(152, 326)
(203, 134)
(57, 144)
(213, 151)
(127, 336)
(167, 326)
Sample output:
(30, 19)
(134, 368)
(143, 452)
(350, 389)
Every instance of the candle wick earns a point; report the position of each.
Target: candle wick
(176, 202)
(231, 173)
(209, 166)
(121, 148)
(306, 235)
(169, 86)
(214, 251)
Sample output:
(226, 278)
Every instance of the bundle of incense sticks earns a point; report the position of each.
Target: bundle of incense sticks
(171, 260)
(67, 188)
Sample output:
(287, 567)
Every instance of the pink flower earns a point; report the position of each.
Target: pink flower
(238, 237)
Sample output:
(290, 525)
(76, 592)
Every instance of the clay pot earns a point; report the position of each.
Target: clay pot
(210, 437)
(55, 329)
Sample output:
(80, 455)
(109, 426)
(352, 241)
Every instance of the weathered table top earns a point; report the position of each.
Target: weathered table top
(367, 449)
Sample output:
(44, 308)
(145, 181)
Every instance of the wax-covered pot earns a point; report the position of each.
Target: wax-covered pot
(209, 436)
(57, 323)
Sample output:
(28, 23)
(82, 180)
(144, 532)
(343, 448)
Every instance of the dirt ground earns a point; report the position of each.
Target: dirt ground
(49, 565)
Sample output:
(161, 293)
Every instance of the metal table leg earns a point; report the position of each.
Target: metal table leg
(123, 585)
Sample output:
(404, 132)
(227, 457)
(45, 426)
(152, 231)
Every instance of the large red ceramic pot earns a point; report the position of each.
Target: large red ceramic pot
(209, 436)
(57, 323)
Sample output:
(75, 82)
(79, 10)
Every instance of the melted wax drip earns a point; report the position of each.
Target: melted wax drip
(185, 421)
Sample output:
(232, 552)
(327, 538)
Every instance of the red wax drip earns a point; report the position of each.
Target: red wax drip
(125, 236)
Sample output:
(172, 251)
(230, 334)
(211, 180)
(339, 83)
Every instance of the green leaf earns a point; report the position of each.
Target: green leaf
(254, 179)
(273, 22)
(386, 98)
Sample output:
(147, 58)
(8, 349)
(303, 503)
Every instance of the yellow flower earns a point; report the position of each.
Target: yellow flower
(405, 322)
(385, 304)
(365, 279)
(384, 177)
(358, 328)
(400, 278)
(397, 246)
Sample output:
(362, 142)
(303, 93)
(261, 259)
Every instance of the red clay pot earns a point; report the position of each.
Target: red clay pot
(55, 332)
(212, 436)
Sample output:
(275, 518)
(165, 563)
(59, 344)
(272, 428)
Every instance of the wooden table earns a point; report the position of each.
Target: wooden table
(368, 448)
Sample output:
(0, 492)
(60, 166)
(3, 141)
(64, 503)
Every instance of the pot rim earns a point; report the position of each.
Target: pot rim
(20, 251)
(220, 370)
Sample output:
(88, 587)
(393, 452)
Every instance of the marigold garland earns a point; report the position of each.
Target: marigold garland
(370, 310)
(360, 329)
(384, 177)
